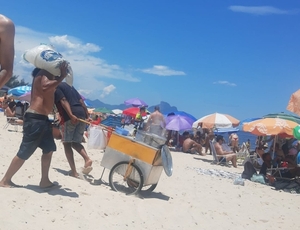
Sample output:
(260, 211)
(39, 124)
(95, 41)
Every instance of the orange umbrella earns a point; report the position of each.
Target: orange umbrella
(270, 127)
(294, 103)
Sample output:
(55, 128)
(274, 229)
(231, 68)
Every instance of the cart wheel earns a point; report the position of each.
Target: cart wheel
(132, 184)
(148, 188)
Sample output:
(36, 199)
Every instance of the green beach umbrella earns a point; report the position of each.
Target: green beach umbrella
(103, 110)
(284, 116)
(296, 132)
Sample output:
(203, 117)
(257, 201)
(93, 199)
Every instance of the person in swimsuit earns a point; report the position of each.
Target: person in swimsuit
(7, 50)
(37, 129)
(156, 122)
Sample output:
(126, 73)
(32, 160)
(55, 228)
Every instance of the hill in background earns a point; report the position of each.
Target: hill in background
(165, 107)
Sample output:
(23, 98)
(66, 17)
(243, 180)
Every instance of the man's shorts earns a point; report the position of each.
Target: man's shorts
(72, 132)
(37, 132)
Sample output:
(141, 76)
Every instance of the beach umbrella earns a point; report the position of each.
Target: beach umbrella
(225, 130)
(25, 97)
(270, 127)
(296, 132)
(284, 116)
(20, 90)
(182, 113)
(135, 102)
(216, 120)
(117, 111)
(178, 123)
(294, 103)
(133, 111)
(102, 110)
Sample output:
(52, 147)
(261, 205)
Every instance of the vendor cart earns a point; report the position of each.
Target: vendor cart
(135, 165)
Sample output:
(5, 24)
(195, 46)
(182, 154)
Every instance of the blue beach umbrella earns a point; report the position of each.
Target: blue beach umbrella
(20, 90)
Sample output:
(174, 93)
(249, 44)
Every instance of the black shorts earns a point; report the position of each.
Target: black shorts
(37, 132)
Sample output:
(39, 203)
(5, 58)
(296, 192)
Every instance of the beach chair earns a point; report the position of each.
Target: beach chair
(219, 160)
(11, 121)
(243, 155)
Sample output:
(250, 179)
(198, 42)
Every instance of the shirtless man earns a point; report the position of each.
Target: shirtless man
(156, 122)
(37, 130)
(230, 156)
(191, 146)
(7, 51)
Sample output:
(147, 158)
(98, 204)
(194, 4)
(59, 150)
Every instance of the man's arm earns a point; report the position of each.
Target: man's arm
(66, 106)
(48, 84)
(7, 51)
(85, 108)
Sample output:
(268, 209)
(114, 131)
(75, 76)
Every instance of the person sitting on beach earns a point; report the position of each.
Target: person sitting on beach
(37, 130)
(181, 139)
(10, 113)
(229, 155)
(191, 146)
(199, 138)
(7, 50)
(96, 120)
(139, 120)
(234, 142)
(156, 122)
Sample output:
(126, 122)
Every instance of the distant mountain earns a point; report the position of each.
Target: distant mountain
(165, 107)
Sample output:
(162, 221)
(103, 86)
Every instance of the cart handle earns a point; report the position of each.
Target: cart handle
(103, 126)
(129, 169)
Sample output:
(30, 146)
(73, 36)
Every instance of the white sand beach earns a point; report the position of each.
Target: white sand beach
(186, 200)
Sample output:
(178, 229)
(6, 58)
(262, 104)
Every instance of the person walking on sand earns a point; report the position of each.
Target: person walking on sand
(37, 130)
(7, 50)
(156, 122)
(71, 107)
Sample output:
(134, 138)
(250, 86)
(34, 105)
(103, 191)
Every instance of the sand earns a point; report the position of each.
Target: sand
(186, 200)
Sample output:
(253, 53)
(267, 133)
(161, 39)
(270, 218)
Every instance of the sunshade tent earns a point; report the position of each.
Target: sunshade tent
(135, 102)
(270, 127)
(294, 103)
(178, 123)
(216, 120)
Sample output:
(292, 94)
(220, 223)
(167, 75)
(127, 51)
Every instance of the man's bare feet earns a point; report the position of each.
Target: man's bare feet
(9, 184)
(45, 184)
(73, 174)
(88, 163)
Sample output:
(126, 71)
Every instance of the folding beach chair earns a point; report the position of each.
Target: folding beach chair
(11, 121)
(219, 160)
(243, 155)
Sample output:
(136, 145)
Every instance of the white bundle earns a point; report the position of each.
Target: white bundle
(45, 57)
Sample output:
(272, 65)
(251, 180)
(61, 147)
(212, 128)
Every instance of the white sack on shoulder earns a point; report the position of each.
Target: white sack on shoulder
(45, 57)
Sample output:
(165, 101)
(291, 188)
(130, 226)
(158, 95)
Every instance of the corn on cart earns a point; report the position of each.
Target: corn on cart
(136, 164)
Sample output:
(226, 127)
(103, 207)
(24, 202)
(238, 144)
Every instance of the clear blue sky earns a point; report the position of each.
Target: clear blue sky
(236, 57)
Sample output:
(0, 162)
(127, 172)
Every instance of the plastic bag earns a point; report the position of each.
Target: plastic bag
(258, 178)
(45, 57)
(97, 138)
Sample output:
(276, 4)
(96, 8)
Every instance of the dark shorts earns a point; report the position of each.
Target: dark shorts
(37, 132)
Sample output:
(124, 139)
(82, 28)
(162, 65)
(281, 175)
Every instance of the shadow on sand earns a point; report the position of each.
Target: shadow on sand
(56, 190)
